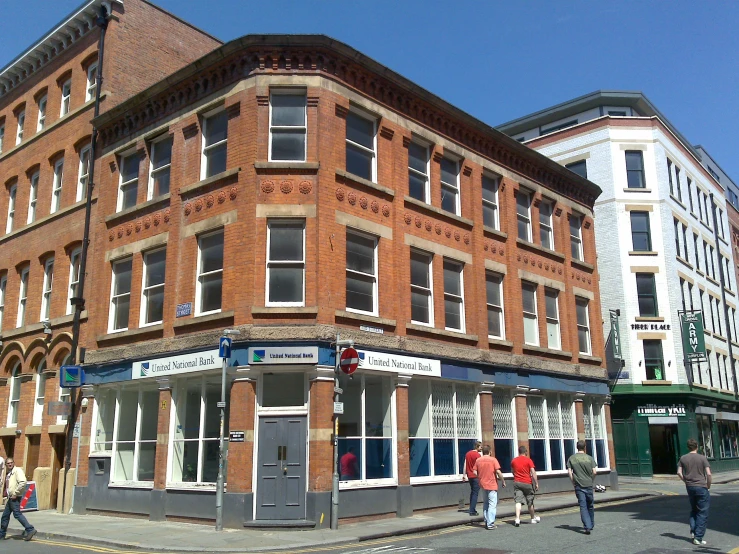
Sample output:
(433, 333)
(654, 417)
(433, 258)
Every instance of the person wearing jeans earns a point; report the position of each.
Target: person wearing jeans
(582, 469)
(14, 487)
(467, 474)
(694, 470)
(487, 469)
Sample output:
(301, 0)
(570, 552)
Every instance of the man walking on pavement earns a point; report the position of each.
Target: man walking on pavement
(467, 474)
(525, 484)
(487, 469)
(694, 471)
(582, 468)
(13, 489)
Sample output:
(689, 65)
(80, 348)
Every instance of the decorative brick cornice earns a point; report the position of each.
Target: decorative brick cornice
(466, 171)
(262, 100)
(342, 111)
(313, 101)
(387, 133)
(254, 55)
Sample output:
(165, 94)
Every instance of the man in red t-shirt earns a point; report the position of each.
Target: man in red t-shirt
(525, 484)
(348, 466)
(467, 474)
(487, 469)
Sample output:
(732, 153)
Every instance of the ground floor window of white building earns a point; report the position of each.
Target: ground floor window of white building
(443, 426)
(595, 436)
(365, 435)
(728, 432)
(705, 435)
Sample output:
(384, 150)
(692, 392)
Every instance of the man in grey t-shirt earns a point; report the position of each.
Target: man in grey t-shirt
(582, 468)
(695, 472)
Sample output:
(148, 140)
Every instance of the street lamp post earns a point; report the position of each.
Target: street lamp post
(220, 483)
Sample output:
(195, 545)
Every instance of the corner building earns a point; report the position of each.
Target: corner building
(662, 239)
(296, 190)
(47, 99)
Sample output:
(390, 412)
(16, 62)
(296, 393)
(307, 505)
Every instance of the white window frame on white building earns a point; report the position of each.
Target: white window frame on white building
(12, 192)
(33, 197)
(363, 149)
(149, 288)
(357, 275)
(56, 187)
(495, 306)
(116, 295)
(41, 113)
(532, 316)
(47, 290)
(275, 264)
(450, 184)
(420, 170)
(208, 149)
(554, 333)
(22, 297)
(83, 173)
(420, 289)
(454, 297)
(291, 128)
(214, 274)
(490, 202)
(136, 441)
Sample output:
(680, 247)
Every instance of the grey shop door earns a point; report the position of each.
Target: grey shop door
(281, 467)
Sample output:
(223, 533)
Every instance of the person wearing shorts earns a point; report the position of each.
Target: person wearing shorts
(525, 484)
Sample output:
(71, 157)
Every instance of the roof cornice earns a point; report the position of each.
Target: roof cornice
(65, 33)
(300, 54)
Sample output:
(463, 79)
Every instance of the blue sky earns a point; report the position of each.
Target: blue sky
(500, 60)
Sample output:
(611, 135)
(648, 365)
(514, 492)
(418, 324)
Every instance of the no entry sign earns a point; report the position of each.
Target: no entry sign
(349, 360)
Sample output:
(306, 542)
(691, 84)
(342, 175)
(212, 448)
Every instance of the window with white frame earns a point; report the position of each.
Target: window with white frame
(504, 428)
(11, 208)
(160, 167)
(546, 232)
(66, 96)
(209, 293)
(583, 325)
(20, 127)
(443, 426)
(33, 198)
(422, 299)
(490, 216)
(129, 181)
(418, 172)
(288, 125)
(494, 294)
(104, 418)
(74, 276)
(537, 431)
(450, 185)
(554, 337)
(215, 141)
(285, 263)
(552, 432)
(40, 379)
(523, 214)
(361, 272)
(92, 75)
(196, 430)
(595, 435)
(135, 434)
(576, 236)
(361, 159)
(530, 314)
(365, 437)
(48, 285)
(41, 113)
(152, 290)
(3, 285)
(14, 386)
(56, 187)
(2, 136)
(454, 319)
(120, 297)
(22, 298)
(83, 174)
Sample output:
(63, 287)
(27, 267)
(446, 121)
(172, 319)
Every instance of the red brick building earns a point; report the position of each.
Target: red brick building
(47, 100)
(294, 189)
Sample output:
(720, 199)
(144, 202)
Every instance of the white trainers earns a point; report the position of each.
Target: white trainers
(700, 542)
(517, 522)
(536, 519)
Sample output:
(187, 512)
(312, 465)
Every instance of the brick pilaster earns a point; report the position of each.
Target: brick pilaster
(580, 419)
(241, 418)
(401, 407)
(320, 434)
(487, 425)
(85, 433)
(163, 413)
(522, 420)
(609, 436)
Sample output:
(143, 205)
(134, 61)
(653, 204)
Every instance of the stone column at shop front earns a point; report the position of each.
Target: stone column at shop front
(157, 512)
(487, 425)
(320, 434)
(238, 502)
(404, 490)
(580, 418)
(522, 420)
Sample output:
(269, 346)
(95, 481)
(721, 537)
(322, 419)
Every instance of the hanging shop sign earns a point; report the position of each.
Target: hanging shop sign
(616, 334)
(174, 365)
(654, 410)
(399, 364)
(283, 355)
(694, 342)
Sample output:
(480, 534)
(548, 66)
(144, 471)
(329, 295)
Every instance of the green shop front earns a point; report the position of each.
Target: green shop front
(651, 426)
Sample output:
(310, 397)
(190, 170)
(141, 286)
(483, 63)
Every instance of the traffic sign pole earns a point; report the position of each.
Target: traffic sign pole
(338, 357)
(224, 351)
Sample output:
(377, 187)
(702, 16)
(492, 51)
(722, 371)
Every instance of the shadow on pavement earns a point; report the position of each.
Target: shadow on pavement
(721, 515)
(574, 528)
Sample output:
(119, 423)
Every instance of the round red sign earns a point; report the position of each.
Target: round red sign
(349, 360)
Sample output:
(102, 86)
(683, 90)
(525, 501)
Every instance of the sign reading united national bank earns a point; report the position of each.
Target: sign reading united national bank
(399, 364)
(173, 365)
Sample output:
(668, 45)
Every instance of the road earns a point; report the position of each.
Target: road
(653, 526)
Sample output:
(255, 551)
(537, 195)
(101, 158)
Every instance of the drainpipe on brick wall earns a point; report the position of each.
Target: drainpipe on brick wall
(723, 297)
(79, 296)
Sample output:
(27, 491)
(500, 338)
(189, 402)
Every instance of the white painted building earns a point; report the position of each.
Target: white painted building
(659, 251)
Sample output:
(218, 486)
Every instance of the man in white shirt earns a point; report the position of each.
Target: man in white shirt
(13, 487)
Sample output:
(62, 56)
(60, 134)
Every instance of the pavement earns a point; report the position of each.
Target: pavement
(165, 536)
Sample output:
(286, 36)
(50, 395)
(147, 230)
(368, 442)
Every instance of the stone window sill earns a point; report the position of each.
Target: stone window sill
(301, 167)
(499, 342)
(203, 319)
(284, 310)
(547, 351)
(712, 280)
(650, 319)
(591, 359)
(655, 382)
(627, 189)
(643, 253)
(540, 250)
(438, 211)
(154, 203)
(366, 317)
(131, 333)
(364, 182)
(189, 189)
(684, 262)
(440, 332)
(495, 233)
(582, 265)
(676, 199)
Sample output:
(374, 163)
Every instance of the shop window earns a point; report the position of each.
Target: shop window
(422, 303)
(196, 431)
(728, 433)
(14, 386)
(360, 145)
(288, 125)
(595, 438)
(537, 433)
(105, 402)
(361, 272)
(443, 427)
(365, 438)
(490, 186)
(705, 434)
(286, 263)
(134, 447)
(215, 140)
(504, 429)
(418, 171)
(552, 431)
